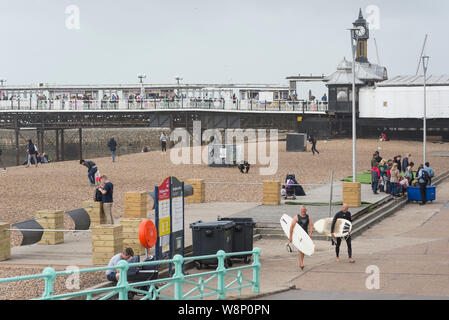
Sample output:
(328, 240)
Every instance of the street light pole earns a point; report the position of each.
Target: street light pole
(353, 35)
(425, 63)
(141, 76)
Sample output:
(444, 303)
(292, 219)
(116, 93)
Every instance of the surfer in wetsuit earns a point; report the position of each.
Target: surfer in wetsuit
(305, 222)
(343, 214)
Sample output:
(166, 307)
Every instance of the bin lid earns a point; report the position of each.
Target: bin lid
(213, 224)
(246, 221)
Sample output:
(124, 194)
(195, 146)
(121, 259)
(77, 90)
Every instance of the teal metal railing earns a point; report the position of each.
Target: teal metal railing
(156, 289)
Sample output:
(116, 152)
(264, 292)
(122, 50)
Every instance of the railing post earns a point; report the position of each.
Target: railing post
(49, 275)
(256, 270)
(123, 266)
(178, 276)
(221, 272)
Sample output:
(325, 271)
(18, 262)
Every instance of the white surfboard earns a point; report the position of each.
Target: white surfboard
(300, 238)
(342, 227)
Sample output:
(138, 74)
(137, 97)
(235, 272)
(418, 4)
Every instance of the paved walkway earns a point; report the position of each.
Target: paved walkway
(410, 250)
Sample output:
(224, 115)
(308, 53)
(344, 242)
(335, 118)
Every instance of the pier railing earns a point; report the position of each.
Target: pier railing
(163, 104)
(180, 286)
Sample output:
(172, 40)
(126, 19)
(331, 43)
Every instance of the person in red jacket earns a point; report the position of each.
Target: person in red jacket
(375, 177)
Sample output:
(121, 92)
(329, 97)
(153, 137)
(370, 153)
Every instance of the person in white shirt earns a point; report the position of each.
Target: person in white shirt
(163, 139)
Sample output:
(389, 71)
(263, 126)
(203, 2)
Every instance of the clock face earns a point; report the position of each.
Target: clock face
(361, 31)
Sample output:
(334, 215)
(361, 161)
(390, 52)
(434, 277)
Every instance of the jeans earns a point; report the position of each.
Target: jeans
(374, 186)
(164, 146)
(422, 189)
(394, 189)
(91, 175)
(113, 155)
(112, 276)
(388, 189)
(34, 158)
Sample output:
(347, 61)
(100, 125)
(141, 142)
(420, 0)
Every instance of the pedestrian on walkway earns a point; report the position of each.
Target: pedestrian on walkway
(313, 141)
(163, 139)
(423, 180)
(31, 150)
(430, 172)
(343, 214)
(406, 162)
(375, 177)
(107, 190)
(305, 222)
(91, 170)
(394, 180)
(112, 144)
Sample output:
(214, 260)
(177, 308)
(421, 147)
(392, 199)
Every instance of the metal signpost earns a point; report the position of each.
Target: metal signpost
(169, 218)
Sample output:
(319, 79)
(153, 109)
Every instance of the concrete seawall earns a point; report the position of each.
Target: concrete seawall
(129, 140)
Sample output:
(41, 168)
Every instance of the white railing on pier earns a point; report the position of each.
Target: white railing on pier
(86, 105)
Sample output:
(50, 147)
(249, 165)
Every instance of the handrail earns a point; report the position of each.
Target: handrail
(123, 287)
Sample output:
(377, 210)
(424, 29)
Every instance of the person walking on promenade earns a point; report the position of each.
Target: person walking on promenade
(91, 170)
(107, 190)
(112, 144)
(394, 180)
(305, 222)
(163, 139)
(312, 140)
(31, 153)
(343, 214)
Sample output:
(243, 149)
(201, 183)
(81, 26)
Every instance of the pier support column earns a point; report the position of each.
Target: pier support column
(17, 148)
(62, 144)
(57, 144)
(80, 134)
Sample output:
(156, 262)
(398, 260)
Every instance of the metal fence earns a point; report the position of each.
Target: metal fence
(201, 283)
(219, 104)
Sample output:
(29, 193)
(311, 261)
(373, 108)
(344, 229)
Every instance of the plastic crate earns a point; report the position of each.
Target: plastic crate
(414, 193)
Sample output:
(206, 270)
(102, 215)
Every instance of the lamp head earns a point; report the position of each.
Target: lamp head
(425, 62)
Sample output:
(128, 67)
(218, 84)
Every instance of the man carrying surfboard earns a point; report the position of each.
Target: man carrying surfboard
(343, 214)
(305, 222)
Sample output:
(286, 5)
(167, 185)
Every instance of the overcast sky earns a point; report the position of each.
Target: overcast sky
(208, 40)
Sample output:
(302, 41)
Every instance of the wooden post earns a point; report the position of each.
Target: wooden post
(131, 234)
(107, 241)
(352, 194)
(5, 241)
(271, 193)
(135, 205)
(51, 220)
(95, 211)
(199, 191)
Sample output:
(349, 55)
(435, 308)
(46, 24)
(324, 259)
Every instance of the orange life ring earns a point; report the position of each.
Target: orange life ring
(147, 234)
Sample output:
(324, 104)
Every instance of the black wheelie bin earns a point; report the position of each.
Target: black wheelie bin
(210, 237)
(243, 236)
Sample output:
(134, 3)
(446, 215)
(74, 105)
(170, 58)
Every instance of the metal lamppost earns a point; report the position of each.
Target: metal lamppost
(353, 35)
(178, 79)
(2, 81)
(425, 63)
(141, 76)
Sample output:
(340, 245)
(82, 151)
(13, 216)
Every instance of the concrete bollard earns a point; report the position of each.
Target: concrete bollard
(271, 193)
(131, 234)
(5, 241)
(95, 211)
(51, 220)
(352, 194)
(199, 191)
(107, 240)
(135, 204)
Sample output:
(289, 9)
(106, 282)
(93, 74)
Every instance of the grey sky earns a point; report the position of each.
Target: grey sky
(208, 40)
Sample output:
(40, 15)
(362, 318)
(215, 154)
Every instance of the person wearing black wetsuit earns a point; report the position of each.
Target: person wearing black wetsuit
(305, 222)
(343, 214)
(312, 140)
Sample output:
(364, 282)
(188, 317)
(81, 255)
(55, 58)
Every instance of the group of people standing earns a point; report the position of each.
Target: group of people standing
(395, 176)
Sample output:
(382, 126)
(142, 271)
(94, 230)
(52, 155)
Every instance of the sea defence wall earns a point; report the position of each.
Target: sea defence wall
(129, 140)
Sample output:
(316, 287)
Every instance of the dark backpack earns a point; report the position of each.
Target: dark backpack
(98, 195)
(425, 176)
